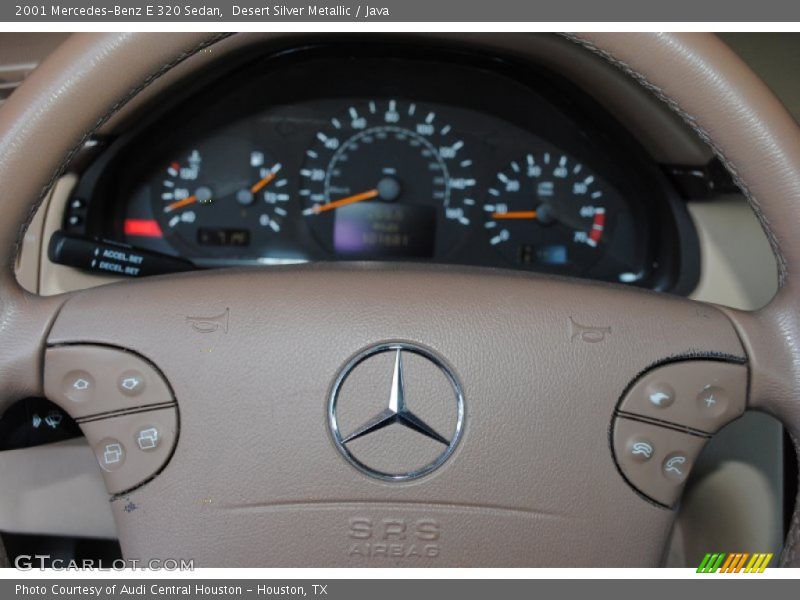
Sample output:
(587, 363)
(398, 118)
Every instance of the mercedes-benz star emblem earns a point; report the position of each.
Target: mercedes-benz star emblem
(380, 444)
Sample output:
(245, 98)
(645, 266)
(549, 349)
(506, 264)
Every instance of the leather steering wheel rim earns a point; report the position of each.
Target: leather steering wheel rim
(696, 74)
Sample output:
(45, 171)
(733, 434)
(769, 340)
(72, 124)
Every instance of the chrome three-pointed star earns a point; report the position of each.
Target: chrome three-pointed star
(397, 412)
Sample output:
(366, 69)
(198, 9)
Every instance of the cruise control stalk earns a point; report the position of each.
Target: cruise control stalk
(102, 256)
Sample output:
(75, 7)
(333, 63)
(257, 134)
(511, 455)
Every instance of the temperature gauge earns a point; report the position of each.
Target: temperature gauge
(549, 210)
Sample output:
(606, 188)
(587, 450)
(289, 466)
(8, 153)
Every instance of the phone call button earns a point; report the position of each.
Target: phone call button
(676, 466)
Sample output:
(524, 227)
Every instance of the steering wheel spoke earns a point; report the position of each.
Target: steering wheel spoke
(24, 323)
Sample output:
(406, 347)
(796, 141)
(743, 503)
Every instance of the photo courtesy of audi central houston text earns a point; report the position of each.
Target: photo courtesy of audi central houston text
(384, 299)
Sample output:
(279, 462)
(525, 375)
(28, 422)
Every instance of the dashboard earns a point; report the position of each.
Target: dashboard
(380, 153)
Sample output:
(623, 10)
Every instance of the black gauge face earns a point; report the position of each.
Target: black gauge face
(442, 159)
(547, 211)
(220, 193)
(387, 179)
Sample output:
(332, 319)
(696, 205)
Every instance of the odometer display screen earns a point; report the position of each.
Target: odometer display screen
(207, 236)
(384, 230)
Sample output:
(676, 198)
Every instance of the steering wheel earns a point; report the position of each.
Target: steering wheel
(369, 415)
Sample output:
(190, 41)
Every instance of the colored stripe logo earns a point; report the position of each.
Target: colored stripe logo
(737, 562)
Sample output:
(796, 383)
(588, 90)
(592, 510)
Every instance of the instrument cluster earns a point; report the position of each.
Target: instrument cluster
(344, 154)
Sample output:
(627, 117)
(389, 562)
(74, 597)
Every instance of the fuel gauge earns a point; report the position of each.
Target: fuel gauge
(218, 194)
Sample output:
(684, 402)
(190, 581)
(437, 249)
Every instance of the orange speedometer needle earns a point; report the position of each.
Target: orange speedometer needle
(258, 186)
(515, 214)
(320, 208)
(180, 203)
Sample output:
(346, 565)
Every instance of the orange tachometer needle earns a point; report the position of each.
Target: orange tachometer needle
(515, 214)
(180, 203)
(258, 186)
(368, 195)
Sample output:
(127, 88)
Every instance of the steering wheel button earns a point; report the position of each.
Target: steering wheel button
(676, 466)
(110, 454)
(131, 383)
(712, 401)
(78, 386)
(147, 438)
(703, 395)
(89, 380)
(641, 450)
(655, 460)
(660, 395)
(150, 438)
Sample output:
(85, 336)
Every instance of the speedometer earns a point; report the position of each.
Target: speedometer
(387, 179)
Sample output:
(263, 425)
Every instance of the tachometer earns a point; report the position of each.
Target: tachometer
(387, 179)
(547, 210)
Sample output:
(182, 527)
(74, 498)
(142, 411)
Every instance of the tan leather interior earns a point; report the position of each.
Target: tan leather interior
(533, 481)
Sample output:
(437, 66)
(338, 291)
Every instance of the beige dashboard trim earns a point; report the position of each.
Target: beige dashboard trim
(737, 267)
(28, 262)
